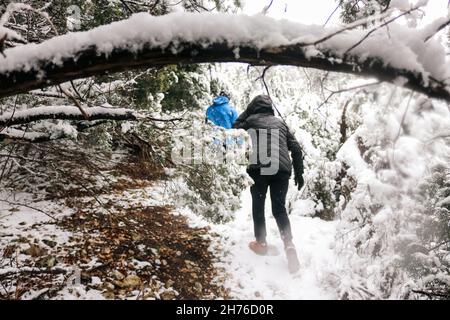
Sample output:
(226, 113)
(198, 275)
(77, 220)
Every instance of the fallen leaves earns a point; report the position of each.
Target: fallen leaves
(35, 250)
(131, 281)
(123, 249)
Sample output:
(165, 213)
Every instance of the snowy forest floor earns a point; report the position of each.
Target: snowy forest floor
(267, 277)
(124, 243)
(128, 242)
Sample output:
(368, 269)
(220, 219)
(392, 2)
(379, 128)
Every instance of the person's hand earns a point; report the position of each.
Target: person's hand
(299, 182)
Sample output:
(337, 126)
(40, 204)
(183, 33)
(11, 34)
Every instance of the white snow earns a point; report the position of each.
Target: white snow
(66, 110)
(19, 134)
(23, 217)
(402, 5)
(404, 47)
(446, 201)
(266, 277)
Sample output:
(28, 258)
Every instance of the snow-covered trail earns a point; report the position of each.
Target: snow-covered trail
(267, 277)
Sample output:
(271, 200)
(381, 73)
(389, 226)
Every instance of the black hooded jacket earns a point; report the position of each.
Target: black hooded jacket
(259, 115)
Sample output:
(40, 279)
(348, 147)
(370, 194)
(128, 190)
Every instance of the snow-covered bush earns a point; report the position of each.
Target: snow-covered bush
(386, 238)
(210, 177)
(431, 266)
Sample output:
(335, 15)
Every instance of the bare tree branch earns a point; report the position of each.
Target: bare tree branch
(23, 136)
(379, 27)
(441, 27)
(15, 203)
(75, 101)
(266, 8)
(334, 11)
(349, 26)
(333, 92)
(431, 294)
(73, 113)
(125, 4)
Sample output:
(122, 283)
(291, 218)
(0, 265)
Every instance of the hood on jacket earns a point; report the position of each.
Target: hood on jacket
(220, 100)
(261, 104)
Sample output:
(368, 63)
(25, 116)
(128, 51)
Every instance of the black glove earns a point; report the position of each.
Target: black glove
(299, 182)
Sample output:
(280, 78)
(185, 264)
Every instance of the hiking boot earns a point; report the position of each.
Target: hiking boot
(259, 248)
(291, 254)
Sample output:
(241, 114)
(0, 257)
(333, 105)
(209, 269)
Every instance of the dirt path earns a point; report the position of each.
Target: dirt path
(267, 277)
(149, 249)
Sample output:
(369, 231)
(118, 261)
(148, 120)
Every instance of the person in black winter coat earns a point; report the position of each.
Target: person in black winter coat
(271, 166)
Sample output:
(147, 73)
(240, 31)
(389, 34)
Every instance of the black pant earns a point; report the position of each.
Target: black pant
(279, 184)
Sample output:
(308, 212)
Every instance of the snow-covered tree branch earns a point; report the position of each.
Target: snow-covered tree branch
(404, 58)
(66, 113)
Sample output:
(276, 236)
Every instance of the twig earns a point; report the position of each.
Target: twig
(12, 115)
(10, 152)
(46, 94)
(29, 207)
(349, 27)
(346, 89)
(432, 294)
(442, 26)
(378, 27)
(402, 121)
(75, 101)
(21, 158)
(163, 120)
(263, 79)
(438, 245)
(196, 5)
(266, 8)
(439, 136)
(403, 118)
(154, 6)
(13, 159)
(332, 13)
(322, 81)
(308, 78)
(387, 6)
(76, 90)
(34, 271)
(127, 6)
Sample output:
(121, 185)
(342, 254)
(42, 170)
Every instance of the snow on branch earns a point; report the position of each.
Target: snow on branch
(400, 56)
(66, 113)
(19, 135)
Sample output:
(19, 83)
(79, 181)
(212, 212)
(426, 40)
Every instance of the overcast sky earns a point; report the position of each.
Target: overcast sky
(317, 11)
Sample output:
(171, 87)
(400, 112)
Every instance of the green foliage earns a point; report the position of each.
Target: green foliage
(353, 10)
(183, 88)
(227, 5)
(187, 89)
